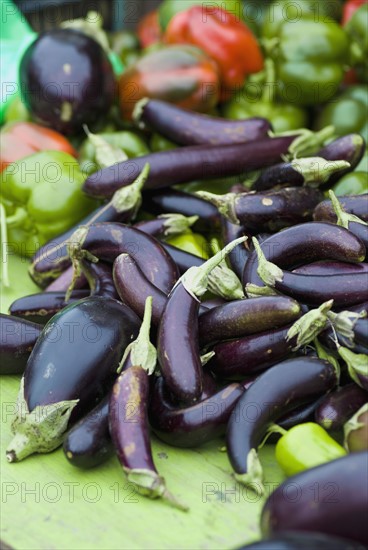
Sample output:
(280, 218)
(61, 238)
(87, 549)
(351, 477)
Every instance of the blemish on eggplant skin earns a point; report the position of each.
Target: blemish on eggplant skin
(129, 449)
(69, 454)
(267, 201)
(67, 68)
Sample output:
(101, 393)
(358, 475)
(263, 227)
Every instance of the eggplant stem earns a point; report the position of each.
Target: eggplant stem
(269, 273)
(225, 204)
(343, 218)
(317, 170)
(309, 325)
(175, 224)
(253, 478)
(129, 198)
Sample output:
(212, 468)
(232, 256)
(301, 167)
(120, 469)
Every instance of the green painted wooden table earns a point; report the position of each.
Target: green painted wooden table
(46, 503)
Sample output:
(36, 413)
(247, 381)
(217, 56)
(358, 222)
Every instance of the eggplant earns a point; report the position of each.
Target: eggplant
(272, 210)
(304, 540)
(356, 431)
(306, 243)
(326, 267)
(106, 241)
(183, 259)
(349, 148)
(331, 499)
(277, 391)
(189, 128)
(66, 79)
(164, 201)
(339, 405)
(353, 204)
(63, 281)
(17, 338)
(246, 317)
(71, 367)
(239, 256)
(194, 425)
(187, 164)
(88, 444)
(166, 225)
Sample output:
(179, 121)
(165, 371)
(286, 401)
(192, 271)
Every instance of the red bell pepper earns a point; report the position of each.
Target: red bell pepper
(223, 37)
(349, 8)
(149, 30)
(21, 139)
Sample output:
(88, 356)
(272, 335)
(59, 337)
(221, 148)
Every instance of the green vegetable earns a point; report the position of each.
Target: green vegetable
(191, 242)
(357, 29)
(305, 446)
(42, 197)
(347, 112)
(354, 183)
(169, 8)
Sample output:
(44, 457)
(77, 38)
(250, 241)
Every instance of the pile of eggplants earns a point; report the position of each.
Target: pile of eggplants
(287, 334)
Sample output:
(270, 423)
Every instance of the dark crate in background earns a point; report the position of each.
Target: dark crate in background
(117, 14)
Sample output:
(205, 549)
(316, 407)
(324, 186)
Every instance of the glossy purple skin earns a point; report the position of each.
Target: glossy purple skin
(128, 419)
(303, 540)
(187, 164)
(88, 443)
(305, 243)
(184, 260)
(350, 148)
(326, 267)
(340, 405)
(277, 391)
(345, 289)
(63, 281)
(353, 204)
(194, 425)
(65, 66)
(40, 307)
(178, 347)
(361, 231)
(336, 505)
(166, 201)
(275, 210)
(189, 128)
(17, 339)
(245, 317)
(361, 332)
(108, 240)
(238, 257)
(236, 359)
(99, 276)
(279, 174)
(84, 343)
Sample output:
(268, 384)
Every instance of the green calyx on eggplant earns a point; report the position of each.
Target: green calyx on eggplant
(66, 80)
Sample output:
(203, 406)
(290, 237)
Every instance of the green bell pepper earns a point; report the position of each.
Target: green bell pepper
(309, 58)
(357, 29)
(305, 446)
(347, 112)
(41, 197)
(191, 242)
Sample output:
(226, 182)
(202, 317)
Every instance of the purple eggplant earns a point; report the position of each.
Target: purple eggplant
(164, 201)
(246, 317)
(183, 259)
(339, 405)
(306, 243)
(356, 431)
(353, 204)
(63, 281)
(326, 267)
(88, 443)
(189, 128)
(71, 367)
(187, 164)
(277, 391)
(331, 499)
(17, 339)
(239, 256)
(304, 540)
(166, 225)
(272, 210)
(194, 425)
(349, 148)
(106, 241)
(66, 79)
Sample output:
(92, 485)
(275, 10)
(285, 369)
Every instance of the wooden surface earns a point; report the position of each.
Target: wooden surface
(47, 504)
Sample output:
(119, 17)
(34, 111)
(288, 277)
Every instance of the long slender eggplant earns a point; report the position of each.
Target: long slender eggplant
(121, 208)
(306, 243)
(277, 391)
(331, 498)
(63, 282)
(349, 148)
(187, 164)
(166, 225)
(339, 405)
(177, 339)
(344, 289)
(183, 259)
(106, 241)
(356, 431)
(272, 210)
(17, 338)
(246, 317)
(239, 256)
(326, 267)
(352, 204)
(164, 201)
(303, 540)
(40, 307)
(351, 222)
(189, 128)
(71, 367)
(300, 171)
(301, 414)
(194, 425)
(88, 443)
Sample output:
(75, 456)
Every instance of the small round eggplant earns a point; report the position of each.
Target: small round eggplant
(331, 499)
(66, 79)
(339, 405)
(17, 338)
(277, 391)
(306, 243)
(88, 443)
(304, 540)
(189, 128)
(71, 367)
